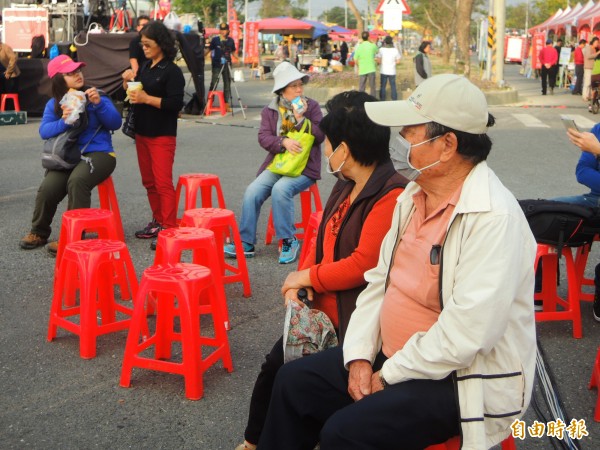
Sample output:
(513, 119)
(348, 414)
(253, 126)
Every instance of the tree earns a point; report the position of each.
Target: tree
(338, 15)
(515, 16)
(275, 8)
(207, 10)
(360, 26)
(543, 9)
(463, 33)
(439, 15)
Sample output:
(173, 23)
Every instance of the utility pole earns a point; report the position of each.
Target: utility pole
(346, 14)
(500, 13)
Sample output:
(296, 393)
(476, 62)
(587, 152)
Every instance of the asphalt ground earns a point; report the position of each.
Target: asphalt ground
(51, 398)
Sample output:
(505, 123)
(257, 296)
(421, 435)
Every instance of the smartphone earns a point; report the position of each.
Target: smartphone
(569, 123)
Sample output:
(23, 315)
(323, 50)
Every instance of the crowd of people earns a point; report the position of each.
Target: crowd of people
(432, 309)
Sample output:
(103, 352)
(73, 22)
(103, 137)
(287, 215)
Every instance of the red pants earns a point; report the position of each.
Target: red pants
(155, 158)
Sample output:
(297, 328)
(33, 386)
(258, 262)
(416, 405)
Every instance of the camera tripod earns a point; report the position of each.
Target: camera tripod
(232, 82)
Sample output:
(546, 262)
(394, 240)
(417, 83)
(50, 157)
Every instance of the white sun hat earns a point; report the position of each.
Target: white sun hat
(285, 73)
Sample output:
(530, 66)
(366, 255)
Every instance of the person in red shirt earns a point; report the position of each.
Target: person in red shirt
(356, 218)
(578, 60)
(548, 58)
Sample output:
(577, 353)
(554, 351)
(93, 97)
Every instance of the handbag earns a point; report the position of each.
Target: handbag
(128, 127)
(292, 164)
(62, 152)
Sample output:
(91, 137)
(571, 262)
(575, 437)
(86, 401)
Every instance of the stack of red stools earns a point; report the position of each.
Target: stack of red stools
(222, 223)
(569, 306)
(93, 264)
(176, 289)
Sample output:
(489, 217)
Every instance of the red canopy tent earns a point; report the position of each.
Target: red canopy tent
(541, 28)
(285, 26)
(589, 23)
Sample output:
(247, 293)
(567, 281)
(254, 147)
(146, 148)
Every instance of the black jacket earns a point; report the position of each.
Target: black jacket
(383, 179)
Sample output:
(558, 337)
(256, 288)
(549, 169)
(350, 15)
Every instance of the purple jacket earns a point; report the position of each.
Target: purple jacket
(270, 140)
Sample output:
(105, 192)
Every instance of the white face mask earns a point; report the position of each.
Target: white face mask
(337, 172)
(400, 155)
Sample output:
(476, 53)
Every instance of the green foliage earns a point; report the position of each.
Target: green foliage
(208, 11)
(542, 9)
(275, 8)
(337, 15)
(515, 16)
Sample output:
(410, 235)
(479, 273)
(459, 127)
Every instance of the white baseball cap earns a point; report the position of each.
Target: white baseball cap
(447, 99)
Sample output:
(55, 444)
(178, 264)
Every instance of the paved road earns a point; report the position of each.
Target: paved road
(53, 399)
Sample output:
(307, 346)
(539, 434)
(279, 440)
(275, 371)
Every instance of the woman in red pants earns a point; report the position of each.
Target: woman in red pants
(156, 108)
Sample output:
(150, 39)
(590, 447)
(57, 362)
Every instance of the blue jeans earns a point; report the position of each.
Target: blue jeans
(283, 189)
(590, 200)
(383, 80)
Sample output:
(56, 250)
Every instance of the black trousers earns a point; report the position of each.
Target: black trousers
(225, 76)
(579, 79)
(261, 394)
(310, 404)
(548, 78)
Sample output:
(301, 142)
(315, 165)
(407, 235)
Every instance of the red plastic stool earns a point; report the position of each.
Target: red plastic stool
(177, 289)
(454, 444)
(307, 198)
(570, 306)
(222, 223)
(74, 223)
(222, 108)
(172, 242)
(310, 236)
(93, 262)
(13, 97)
(581, 258)
(594, 383)
(194, 182)
(108, 200)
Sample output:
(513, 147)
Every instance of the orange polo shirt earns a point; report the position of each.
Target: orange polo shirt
(411, 302)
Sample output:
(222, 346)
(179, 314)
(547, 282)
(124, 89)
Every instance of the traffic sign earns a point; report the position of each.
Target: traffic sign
(389, 5)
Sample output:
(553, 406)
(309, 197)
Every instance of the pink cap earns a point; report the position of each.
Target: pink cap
(62, 64)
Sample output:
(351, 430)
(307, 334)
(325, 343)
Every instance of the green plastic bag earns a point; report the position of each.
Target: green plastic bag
(290, 164)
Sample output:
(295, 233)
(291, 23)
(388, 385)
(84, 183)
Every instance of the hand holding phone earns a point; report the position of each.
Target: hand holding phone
(569, 123)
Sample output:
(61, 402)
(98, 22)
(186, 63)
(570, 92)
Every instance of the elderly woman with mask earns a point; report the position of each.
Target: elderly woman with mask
(357, 215)
(277, 120)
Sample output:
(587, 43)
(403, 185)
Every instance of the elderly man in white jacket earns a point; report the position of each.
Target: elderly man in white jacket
(442, 341)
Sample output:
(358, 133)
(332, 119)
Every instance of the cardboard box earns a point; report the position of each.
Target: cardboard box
(13, 117)
(337, 68)
(320, 62)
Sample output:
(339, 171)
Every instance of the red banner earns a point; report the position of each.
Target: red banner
(251, 43)
(21, 25)
(537, 45)
(231, 12)
(234, 33)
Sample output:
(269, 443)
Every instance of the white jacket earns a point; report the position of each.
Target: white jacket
(485, 334)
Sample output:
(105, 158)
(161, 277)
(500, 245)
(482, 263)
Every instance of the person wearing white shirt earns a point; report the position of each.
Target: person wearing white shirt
(388, 57)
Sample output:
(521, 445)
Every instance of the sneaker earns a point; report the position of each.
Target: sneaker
(230, 251)
(151, 231)
(52, 248)
(289, 251)
(31, 241)
(538, 305)
(597, 306)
